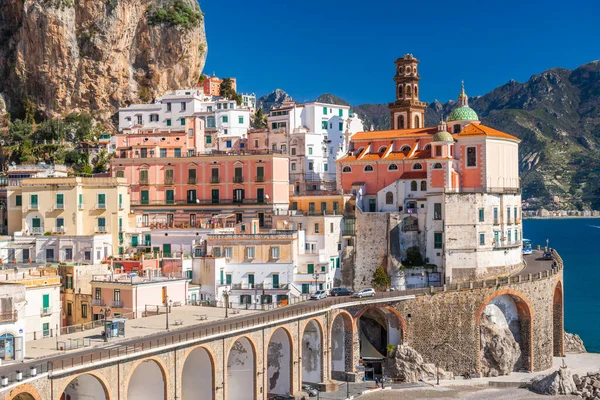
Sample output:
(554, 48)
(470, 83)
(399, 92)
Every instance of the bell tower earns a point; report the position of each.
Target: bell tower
(407, 112)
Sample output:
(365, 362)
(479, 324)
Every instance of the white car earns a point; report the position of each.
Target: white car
(318, 295)
(369, 292)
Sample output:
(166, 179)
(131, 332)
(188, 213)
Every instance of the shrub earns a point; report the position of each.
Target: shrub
(175, 13)
(380, 279)
(413, 257)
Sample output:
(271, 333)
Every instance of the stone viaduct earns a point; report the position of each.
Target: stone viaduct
(319, 342)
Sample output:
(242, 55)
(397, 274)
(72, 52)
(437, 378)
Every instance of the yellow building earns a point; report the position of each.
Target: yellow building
(67, 209)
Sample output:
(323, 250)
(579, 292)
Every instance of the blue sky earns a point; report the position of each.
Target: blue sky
(348, 47)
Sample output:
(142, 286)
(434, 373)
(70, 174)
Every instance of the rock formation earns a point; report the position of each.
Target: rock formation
(405, 362)
(558, 382)
(96, 55)
(274, 99)
(574, 344)
(587, 387)
(500, 352)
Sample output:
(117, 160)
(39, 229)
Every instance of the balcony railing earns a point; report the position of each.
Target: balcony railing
(45, 311)
(59, 206)
(260, 178)
(59, 229)
(496, 221)
(169, 181)
(11, 316)
(191, 181)
(101, 206)
(117, 303)
(144, 182)
(238, 179)
(199, 202)
(101, 229)
(98, 302)
(214, 179)
(33, 206)
(37, 231)
(81, 206)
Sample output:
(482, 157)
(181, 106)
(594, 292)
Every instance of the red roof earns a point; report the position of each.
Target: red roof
(414, 175)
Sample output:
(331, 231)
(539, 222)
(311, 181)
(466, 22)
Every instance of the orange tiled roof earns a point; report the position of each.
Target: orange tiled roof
(394, 133)
(482, 130)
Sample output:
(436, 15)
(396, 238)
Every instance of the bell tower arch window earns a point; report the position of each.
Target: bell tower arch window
(400, 91)
(400, 124)
(417, 121)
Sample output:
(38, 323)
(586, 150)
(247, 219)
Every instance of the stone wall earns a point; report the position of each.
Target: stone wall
(371, 249)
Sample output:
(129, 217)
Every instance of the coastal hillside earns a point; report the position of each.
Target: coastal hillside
(556, 114)
(62, 56)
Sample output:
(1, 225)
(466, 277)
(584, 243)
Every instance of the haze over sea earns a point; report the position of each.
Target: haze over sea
(576, 240)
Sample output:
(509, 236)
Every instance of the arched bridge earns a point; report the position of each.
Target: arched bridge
(275, 352)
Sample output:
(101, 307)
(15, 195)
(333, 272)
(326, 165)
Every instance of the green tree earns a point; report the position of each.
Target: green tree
(413, 257)
(226, 88)
(380, 280)
(20, 130)
(51, 130)
(260, 119)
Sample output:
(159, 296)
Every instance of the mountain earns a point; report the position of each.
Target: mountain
(556, 114)
(332, 99)
(273, 99)
(60, 56)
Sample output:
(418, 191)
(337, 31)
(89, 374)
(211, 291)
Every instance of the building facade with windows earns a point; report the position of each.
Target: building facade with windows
(226, 123)
(260, 267)
(314, 135)
(120, 295)
(455, 188)
(195, 192)
(212, 85)
(70, 219)
(76, 291)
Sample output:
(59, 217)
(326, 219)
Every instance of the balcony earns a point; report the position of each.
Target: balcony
(81, 206)
(169, 181)
(45, 311)
(59, 229)
(100, 206)
(214, 179)
(37, 231)
(191, 181)
(260, 178)
(144, 182)
(33, 207)
(59, 206)
(101, 229)
(238, 179)
(116, 303)
(197, 202)
(496, 221)
(11, 316)
(98, 302)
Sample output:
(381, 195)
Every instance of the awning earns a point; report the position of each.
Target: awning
(223, 216)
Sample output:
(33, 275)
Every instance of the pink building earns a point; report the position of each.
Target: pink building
(177, 183)
(131, 297)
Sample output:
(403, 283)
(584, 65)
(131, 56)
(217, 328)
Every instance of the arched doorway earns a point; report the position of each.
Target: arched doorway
(84, 387)
(312, 354)
(23, 396)
(147, 382)
(378, 327)
(197, 376)
(241, 371)
(342, 339)
(558, 325)
(279, 363)
(505, 327)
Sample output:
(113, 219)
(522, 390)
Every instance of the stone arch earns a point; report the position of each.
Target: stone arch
(558, 323)
(341, 346)
(24, 392)
(312, 351)
(89, 386)
(280, 358)
(149, 384)
(238, 387)
(525, 324)
(198, 377)
(390, 309)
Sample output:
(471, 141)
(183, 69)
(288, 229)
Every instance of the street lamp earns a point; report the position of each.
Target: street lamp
(226, 296)
(316, 278)
(167, 304)
(105, 312)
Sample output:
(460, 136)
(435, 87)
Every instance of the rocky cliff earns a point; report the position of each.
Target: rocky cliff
(273, 99)
(97, 55)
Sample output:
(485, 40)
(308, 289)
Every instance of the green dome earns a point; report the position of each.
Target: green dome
(463, 114)
(443, 136)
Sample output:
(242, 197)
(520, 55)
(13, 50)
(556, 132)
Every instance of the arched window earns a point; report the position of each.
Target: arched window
(389, 198)
(457, 128)
(368, 168)
(427, 147)
(417, 166)
(400, 91)
(392, 167)
(413, 186)
(347, 169)
(382, 149)
(417, 121)
(416, 91)
(437, 166)
(400, 122)
(408, 91)
(423, 186)
(405, 148)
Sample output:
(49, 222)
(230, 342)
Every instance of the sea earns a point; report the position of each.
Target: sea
(576, 240)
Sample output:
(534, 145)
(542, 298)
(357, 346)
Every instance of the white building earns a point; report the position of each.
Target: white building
(224, 118)
(315, 135)
(249, 100)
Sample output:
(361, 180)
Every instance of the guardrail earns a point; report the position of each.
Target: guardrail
(222, 327)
